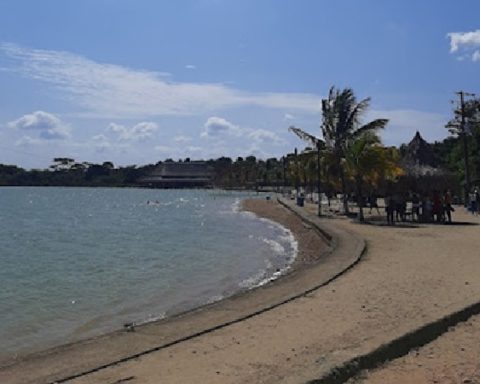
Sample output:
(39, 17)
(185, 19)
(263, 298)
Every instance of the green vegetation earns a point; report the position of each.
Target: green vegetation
(348, 147)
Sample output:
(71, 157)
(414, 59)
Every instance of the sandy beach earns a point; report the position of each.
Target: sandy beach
(304, 325)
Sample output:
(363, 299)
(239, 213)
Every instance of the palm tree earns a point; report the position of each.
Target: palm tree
(341, 122)
(367, 162)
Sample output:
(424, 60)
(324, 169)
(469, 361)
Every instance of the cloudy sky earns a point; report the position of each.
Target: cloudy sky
(138, 81)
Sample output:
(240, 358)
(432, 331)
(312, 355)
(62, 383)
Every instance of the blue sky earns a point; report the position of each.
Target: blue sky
(138, 81)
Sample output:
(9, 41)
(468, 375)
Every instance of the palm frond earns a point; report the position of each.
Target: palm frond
(357, 111)
(372, 126)
(317, 142)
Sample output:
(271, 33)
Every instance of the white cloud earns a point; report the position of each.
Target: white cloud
(48, 126)
(459, 40)
(465, 42)
(288, 116)
(107, 90)
(264, 136)
(182, 139)
(138, 132)
(215, 126)
(190, 66)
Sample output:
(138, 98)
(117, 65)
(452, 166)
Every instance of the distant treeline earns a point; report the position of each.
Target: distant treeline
(249, 172)
(239, 173)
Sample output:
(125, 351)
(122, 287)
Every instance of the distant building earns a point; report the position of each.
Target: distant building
(192, 174)
(419, 158)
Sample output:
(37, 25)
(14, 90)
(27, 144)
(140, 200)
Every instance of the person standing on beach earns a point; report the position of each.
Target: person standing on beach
(473, 206)
(372, 202)
(400, 206)
(477, 200)
(447, 205)
(427, 209)
(437, 209)
(390, 208)
(415, 207)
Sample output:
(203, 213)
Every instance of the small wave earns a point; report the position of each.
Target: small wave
(290, 239)
(275, 246)
(254, 280)
(215, 298)
(236, 206)
(261, 278)
(151, 318)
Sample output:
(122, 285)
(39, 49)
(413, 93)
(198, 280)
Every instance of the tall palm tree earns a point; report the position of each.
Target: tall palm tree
(341, 122)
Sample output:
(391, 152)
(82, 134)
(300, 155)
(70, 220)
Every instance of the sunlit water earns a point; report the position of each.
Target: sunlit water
(77, 262)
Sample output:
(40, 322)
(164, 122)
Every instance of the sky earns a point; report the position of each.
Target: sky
(139, 81)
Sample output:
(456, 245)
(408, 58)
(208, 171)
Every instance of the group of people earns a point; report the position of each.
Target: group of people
(434, 206)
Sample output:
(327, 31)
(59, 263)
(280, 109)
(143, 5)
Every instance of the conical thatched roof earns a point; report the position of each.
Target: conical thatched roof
(419, 158)
(419, 152)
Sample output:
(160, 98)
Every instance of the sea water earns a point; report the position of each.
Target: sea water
(78, 262)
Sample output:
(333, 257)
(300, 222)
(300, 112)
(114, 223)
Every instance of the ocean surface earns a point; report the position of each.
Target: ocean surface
(78, 262)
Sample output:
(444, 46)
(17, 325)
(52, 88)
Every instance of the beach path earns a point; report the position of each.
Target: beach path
(407, 277)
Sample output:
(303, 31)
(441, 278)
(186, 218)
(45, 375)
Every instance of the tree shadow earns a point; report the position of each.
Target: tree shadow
(465, 223)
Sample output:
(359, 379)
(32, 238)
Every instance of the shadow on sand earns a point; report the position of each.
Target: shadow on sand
(403, 224)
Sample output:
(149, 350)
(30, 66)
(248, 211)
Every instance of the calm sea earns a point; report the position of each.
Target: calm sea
(78, 262)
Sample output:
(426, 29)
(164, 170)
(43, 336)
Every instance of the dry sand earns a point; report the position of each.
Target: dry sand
(452, 358)
(409, 276)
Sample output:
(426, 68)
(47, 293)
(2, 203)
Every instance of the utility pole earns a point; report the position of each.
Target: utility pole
(463, 134)
(297, 173)
(318, 179)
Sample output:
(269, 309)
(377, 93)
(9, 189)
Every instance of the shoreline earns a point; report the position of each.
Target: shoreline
(179, 310)
(55, 363)
(81, 312)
